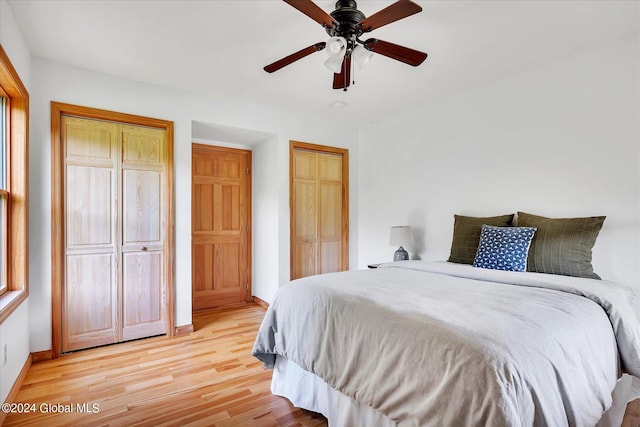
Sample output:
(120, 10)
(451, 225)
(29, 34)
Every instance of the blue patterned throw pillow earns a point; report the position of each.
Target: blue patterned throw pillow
(504, 248)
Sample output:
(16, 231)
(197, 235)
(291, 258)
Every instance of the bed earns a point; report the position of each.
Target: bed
(416, 343)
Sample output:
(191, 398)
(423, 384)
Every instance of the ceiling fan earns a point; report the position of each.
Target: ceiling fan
(345, 25)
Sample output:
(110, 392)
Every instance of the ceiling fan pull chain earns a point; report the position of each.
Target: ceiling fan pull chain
(353, 73)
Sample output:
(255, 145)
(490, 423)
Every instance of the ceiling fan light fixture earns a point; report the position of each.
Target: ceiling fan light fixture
(361, 56)
(334, 63)
(344, 26)
(336, 48)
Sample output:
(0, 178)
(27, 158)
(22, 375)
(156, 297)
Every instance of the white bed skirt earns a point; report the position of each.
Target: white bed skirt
(308, 391)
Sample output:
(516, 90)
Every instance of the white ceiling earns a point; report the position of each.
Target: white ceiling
(218, 48)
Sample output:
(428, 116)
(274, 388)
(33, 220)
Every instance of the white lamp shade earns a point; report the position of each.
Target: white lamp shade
(334, 63)
(336, 48)
(400, 236)
(361, 56)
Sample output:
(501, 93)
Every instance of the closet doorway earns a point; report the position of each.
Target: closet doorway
(112, 226)
(319, 203)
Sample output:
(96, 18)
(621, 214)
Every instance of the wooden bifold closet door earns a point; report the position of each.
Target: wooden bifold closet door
(114, 239)
(319, 209)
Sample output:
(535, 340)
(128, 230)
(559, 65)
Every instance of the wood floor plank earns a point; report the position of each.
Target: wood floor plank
(205, 378)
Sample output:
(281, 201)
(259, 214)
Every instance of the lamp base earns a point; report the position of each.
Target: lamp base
(401, 255)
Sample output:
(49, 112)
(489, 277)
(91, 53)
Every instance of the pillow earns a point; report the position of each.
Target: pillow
(466, 235)
(562, 245)
(504, 248)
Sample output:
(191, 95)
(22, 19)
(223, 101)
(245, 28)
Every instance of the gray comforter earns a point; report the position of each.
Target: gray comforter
(441, 344)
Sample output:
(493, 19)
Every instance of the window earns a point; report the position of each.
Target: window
(4, 193)
(14, 119)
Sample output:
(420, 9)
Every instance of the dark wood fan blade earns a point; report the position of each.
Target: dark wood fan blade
(313, 11)
(294, 57)
(398, 10)
(343, 80)
(397, 52)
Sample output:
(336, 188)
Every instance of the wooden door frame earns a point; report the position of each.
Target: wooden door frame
(194, 145)
(57, 208)
(298, 145)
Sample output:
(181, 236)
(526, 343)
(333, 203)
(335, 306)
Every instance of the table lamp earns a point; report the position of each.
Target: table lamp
(400, 236)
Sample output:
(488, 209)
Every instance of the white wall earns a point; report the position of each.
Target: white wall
(14, 331)
(558, 140)
(266, 227)
(60, 83)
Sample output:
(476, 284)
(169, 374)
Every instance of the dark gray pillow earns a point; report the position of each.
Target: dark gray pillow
(466, 235)
(562, 245)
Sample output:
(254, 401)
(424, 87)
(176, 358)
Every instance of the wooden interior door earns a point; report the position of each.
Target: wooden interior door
(319, 209)
(114, 282)
(221, 206)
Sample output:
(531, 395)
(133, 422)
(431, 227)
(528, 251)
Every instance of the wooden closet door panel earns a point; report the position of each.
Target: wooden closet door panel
(220, 230)
(330, 212)
(305, 165)
(90, 312)
(141, 202)
(304, 224)
(142, 277)
(90, 290)
(143, 295)
(330, 227)
(304, 239)
(89, 141)
(143, 290)
(330, 257)
(142, 147)
(90, 207)
(305, 204)
(305, 256)
(330, 168)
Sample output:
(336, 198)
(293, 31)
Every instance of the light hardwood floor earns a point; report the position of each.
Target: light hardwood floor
(207, 378)
(632, 416)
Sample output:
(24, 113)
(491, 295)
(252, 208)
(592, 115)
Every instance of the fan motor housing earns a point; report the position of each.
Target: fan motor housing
(349, 18)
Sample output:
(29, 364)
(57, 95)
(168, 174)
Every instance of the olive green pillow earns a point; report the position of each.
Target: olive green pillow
(466, 235)
(562, 245)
